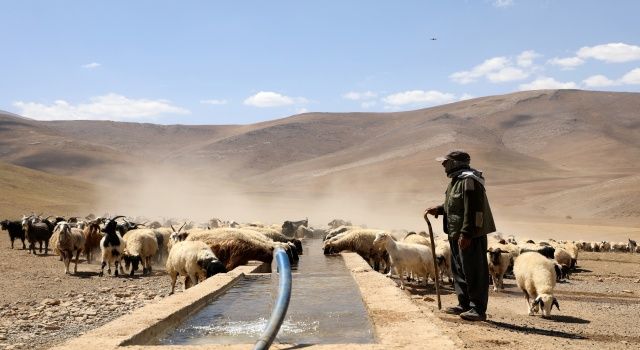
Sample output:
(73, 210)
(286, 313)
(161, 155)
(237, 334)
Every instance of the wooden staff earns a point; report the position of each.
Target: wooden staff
(435, 262)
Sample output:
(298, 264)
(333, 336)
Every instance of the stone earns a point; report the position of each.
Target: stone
(90, 312)
(52, 327)
(627, 291)
(50, 302)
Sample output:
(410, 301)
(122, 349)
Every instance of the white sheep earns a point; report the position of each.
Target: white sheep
(443, 255)
(163, 238)
(338, 230)
(194, 260)
(563, 257)
(416, 238)
(619, 247)
(141, 246)
(407, 257)
(70, 241)
(359, 241)
(499, 262)
(536, 276)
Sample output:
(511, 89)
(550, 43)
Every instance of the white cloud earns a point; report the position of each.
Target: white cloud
(598, 81)
(525, 59)
(466, 97)
(566, 63)
(612, 52)
(547, 83)
(430, 97)
(631, 78)
(272, 99)
(507, 74)
(355, 96)
(214, 102)
(502, 3)
(106, 107)
(91, 65)
(302, 110)
(368, 104)
(486, 67)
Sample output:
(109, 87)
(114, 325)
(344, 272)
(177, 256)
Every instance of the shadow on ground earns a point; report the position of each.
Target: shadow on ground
(534, 330)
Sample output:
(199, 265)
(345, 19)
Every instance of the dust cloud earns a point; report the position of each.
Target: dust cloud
(161, 192)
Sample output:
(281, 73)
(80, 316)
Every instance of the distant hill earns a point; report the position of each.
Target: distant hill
(24, 191)
(551, 153)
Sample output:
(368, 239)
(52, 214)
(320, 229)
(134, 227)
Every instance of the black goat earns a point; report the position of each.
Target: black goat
(112, 246)
(37, 230)
(15, 231)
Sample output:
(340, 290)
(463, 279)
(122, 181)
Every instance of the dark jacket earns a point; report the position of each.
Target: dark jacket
(466, 208)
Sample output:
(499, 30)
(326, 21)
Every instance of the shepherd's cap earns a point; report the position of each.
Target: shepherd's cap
(460, 156)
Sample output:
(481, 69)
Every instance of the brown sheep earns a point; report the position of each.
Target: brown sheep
(235, 247)
(92, 237)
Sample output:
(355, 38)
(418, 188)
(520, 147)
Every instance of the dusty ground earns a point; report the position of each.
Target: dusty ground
(599, 308)
(41, 307)
(600, 304)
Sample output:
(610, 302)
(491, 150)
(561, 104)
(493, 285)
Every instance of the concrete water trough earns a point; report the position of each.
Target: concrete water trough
(389, 320)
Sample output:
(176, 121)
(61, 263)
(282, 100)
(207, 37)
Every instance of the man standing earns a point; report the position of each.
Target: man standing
(467, 221)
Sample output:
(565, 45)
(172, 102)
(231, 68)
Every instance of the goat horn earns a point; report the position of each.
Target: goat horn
(114, 219)
(182, 227)
(174, 230)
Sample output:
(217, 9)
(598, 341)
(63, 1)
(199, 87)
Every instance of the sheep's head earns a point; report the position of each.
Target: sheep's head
(327, 248)
(545, 302)
(4, 224)
(290, 252)
(494, 255)
(381, 239)
(132, 260)
(298, 245)
(213, 266)
(25, 221)
(62, 227)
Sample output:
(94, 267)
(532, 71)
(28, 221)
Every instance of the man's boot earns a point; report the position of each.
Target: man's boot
(473, 315)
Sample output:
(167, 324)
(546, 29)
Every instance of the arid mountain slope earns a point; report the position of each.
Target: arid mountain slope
(554, 153)
(24, 191)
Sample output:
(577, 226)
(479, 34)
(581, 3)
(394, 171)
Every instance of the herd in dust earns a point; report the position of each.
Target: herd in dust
(197, 252)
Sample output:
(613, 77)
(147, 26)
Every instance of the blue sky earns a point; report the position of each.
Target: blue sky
(238, 62)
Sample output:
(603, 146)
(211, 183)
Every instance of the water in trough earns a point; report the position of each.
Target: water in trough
(325, 308)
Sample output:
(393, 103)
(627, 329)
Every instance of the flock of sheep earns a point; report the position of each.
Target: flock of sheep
(216, 247)
(536, 266)
(195, 253)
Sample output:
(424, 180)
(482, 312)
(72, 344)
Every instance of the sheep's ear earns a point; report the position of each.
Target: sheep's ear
(555, 302)
(538, 301)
